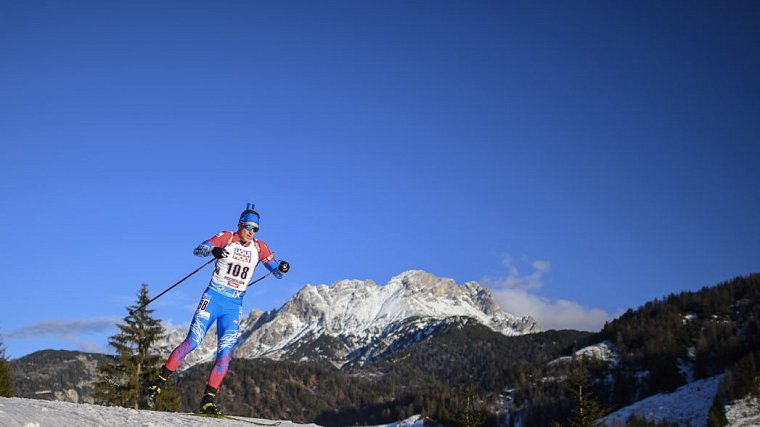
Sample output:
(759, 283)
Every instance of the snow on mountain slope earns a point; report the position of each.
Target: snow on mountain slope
(604, 351)
(355, 320)
(689, 405)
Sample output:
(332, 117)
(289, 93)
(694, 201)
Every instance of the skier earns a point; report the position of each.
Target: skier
(237, 254)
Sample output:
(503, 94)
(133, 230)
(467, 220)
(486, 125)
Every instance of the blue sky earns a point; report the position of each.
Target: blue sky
(579, 159)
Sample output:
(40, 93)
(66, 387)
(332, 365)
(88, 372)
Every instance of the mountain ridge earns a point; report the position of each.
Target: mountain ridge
(359, 320)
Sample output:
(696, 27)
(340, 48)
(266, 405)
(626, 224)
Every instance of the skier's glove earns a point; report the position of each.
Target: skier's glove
(202, 251)
(219, 253)
(284, 266)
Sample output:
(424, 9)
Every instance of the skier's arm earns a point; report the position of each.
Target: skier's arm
(267, 258)
(213, 246)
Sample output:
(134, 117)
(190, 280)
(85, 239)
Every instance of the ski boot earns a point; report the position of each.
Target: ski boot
(207, 403)
(155, 389)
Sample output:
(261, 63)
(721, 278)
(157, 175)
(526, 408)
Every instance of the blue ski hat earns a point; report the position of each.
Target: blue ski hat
(250, 215)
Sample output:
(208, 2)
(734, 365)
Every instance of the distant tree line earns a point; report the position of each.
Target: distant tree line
(56, 372)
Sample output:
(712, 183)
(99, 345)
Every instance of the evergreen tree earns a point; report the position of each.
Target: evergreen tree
(587, 409)
(135, 365)
(6, 376)
(470, 414)
(716, 417)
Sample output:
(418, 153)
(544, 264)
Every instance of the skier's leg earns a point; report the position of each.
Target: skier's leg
(203, 318)
(227, 327)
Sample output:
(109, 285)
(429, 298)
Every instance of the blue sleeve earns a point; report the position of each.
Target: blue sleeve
(272, 265)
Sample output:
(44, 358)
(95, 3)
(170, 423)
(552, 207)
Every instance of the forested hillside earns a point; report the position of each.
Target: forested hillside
(659, 346)
(691, 335)
(663, 345)
(430, 378)
(57, 375)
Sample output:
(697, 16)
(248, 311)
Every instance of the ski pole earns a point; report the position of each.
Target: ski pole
(261, 278)
(284, 267)
(132, 312)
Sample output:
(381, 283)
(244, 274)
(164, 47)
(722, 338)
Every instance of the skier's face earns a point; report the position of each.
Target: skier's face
(247, 230)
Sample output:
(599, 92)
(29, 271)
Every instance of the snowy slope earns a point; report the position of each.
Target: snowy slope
(689, 405)
(18, 412)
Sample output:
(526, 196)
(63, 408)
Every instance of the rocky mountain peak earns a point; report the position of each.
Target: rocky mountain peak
(359, 319)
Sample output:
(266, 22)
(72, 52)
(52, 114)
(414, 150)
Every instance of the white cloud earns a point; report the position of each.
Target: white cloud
(515, 280)
(515, 293)
(559, 314)
(64, 329)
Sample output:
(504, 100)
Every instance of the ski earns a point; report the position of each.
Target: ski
(227, 417)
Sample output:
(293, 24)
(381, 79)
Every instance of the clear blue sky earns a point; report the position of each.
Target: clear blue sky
(578, 158)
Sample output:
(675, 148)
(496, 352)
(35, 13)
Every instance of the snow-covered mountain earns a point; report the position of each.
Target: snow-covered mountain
(355, 321)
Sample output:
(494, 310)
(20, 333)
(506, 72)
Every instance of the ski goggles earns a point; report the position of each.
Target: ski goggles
(251, 227)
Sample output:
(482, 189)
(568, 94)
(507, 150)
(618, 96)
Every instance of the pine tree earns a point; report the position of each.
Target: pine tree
(587, 409)
(6, 376)
(470, 415)
(135, 365)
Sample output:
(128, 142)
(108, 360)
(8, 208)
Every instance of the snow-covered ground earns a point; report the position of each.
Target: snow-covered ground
(689, 405)
(744, 413)
(18, 412)
(604, 351)
(413, 421)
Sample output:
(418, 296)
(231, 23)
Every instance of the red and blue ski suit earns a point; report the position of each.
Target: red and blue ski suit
(223, 299)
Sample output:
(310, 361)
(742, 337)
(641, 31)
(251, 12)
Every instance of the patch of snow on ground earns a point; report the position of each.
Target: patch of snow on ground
(603, 351)
(413, 421)
(744, 412)
(689, 405)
